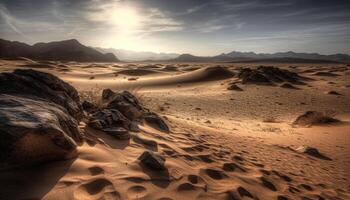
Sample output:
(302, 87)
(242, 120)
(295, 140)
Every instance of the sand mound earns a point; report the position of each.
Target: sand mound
(197, 76)
(137, 72)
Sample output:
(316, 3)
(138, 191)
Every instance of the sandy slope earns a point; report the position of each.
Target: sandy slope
(223, 144)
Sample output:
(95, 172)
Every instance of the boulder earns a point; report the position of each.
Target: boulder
(39, 116)
(31, 83)
(32, 131)
(313, 118)
(152, 161)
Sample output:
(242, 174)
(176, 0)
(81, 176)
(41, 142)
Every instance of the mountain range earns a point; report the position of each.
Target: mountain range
(73, 50)
(66, 50)
(289, 56)
(128, 55)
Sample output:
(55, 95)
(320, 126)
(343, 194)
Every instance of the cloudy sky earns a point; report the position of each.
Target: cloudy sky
(200, 27)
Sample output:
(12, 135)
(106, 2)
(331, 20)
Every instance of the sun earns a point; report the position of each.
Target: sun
(125, 18)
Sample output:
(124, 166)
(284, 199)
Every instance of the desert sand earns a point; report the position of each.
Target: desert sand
(222, 144)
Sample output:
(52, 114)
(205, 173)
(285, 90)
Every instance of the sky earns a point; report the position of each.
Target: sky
(199, 27)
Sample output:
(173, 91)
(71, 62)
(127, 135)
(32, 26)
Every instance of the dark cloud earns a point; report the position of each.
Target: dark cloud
(202, 27)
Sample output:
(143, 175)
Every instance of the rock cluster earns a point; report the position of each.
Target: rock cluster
(120, 113)
(39, 115)
(268, 75)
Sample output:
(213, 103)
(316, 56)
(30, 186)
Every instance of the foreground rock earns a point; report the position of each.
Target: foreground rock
(314, 118)
(152, 161)
(267, 75)
(39, 115)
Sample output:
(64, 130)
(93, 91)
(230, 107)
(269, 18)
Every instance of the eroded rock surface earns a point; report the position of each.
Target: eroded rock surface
(39, 115)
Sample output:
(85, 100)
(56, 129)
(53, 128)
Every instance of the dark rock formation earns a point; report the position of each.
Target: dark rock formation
(122, 109)
(267, 75)
(35, 84)
(313, 118)
(152, 161)
(39, 116)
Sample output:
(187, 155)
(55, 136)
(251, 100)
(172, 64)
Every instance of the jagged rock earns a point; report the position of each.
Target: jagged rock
(39, 116)
(152, 161)
(125, 102)
(108, 118)
(155, 121)
(313, 117)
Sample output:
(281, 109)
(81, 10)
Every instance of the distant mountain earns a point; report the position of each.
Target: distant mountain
(289, 56)
(127, 55)
(66, 50)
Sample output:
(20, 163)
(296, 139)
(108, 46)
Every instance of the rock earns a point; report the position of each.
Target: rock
(107, 94)
(312, 152)
(39, 116)
(268, 75)
(89, 107)
(234, 87)
(118, 132)
(42, 85)
(152, 161)
(332, 92)
(125, 102)
(313, 117)
(155, 121)
(108, 118)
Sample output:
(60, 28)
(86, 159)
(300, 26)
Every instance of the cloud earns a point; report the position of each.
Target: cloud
(9, 20)
(130, 18)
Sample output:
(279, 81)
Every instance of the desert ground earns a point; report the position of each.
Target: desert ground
(236, 143)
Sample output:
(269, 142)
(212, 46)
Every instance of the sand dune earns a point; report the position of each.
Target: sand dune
(239, 143)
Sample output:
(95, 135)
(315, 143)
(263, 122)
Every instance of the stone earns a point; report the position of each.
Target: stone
(39, 117)
(234, 87)
(312, 152)
(152, 161)
(118, 133)
(155, 121)
(28, 82)
(313, 118)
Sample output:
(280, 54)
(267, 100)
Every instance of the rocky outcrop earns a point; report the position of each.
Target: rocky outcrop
(121, 112)
(267, 75)
(39, 115)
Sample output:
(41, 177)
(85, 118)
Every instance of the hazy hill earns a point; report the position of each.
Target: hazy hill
(66, 50)
(289, 56)
(127, 55)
